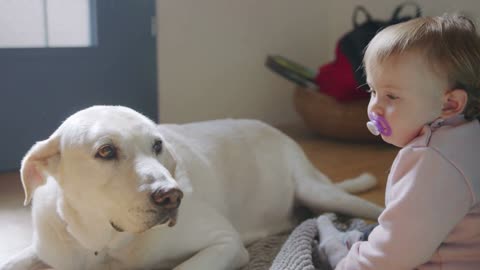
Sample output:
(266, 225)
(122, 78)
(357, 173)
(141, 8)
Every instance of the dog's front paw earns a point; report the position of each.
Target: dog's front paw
(326, 217)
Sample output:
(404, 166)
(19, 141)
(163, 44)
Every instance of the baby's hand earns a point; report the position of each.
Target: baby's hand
(334, 245)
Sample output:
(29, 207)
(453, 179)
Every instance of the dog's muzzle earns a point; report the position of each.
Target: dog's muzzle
(168, 201)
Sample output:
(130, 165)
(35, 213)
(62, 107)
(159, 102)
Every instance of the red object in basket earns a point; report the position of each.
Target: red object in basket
(337, 79)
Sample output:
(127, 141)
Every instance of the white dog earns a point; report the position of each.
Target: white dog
(113, 190)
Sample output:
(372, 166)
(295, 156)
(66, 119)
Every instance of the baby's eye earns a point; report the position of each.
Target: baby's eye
(392, 97)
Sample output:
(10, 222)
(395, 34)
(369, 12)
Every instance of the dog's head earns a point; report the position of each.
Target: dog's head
(111, 161)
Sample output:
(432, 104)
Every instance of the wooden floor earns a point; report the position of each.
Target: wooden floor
(338, 160)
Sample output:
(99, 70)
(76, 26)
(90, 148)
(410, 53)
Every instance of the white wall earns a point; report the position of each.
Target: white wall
(211, 52)
(211, 56)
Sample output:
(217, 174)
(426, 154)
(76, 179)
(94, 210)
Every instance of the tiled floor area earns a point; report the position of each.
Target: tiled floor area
(339, 160)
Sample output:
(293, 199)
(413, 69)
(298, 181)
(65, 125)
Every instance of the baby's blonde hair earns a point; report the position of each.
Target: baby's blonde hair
(449, 43)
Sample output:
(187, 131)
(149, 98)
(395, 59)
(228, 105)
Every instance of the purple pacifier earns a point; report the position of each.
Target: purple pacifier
(378, 125)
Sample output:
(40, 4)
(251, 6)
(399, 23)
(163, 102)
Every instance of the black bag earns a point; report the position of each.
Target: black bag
(332, 78)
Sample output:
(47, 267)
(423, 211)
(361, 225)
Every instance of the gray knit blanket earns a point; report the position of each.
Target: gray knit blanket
(296, 250)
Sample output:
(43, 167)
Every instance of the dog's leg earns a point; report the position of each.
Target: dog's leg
(219, 245)
(227, 254)
(322, 197)
(358, 184)
(27, 259)
(316, 191)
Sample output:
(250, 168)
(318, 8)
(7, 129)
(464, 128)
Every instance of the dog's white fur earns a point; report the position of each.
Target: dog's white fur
(240, 180)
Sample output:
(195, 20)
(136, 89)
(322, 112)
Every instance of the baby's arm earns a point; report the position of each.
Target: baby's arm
(334, 245)
(425, 201)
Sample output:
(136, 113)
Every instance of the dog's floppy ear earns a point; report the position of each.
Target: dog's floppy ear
(175, 166)
(43, 157)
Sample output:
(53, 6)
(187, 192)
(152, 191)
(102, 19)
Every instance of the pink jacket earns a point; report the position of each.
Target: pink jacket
(432, 215)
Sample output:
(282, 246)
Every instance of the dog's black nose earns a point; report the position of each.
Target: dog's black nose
(167, 198)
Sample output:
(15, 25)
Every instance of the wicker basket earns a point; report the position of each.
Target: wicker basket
(327, 117)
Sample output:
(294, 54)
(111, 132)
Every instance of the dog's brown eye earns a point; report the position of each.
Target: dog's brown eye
(107, 152)
(157, 147)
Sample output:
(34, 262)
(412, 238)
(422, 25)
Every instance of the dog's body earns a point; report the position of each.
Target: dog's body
(109, 180)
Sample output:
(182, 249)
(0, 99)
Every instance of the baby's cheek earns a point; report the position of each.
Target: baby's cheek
(388, 139)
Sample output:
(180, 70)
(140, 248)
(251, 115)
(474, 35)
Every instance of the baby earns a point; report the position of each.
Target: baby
(424, 79)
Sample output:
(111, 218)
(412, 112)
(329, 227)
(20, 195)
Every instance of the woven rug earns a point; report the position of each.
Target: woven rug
(296, 250)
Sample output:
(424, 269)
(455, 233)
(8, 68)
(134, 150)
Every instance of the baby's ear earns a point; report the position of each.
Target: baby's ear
(42, 158)
(454, 102)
